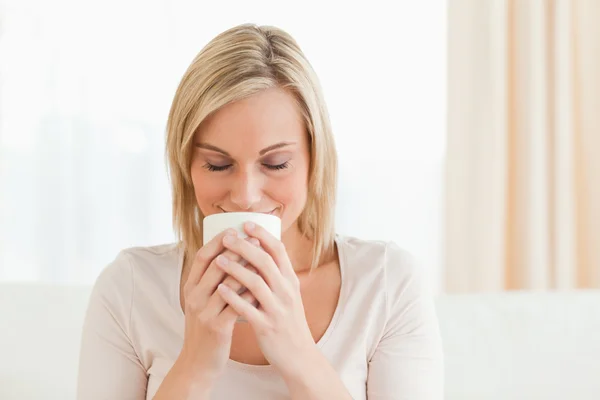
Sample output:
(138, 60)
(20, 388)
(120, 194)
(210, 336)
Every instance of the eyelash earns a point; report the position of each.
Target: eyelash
(216, 168)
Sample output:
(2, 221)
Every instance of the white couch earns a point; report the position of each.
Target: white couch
(500, 346)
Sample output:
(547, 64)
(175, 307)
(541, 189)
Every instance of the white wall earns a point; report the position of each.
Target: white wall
(85, 88)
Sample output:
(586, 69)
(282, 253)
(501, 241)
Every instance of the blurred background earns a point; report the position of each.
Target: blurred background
(467, 132)
(85, 90)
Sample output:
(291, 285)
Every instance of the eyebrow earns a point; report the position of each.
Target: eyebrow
(262, 152)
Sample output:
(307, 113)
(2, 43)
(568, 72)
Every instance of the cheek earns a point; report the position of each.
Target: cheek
(291, 191)
(293, 195)
(206, 189)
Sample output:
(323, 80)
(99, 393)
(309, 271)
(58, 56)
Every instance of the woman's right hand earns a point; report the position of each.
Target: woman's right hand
(209, 324)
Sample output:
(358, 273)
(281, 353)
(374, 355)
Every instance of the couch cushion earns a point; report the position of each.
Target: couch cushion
(40, 328)
(521, 345)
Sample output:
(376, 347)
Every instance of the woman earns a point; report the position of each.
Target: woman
(337, 317)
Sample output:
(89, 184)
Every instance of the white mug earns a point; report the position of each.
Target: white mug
(214, 224)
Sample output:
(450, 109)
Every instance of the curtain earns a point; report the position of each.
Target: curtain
(522, 204)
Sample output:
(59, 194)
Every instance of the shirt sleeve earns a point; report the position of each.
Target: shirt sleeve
(109, 367)
(407, 363)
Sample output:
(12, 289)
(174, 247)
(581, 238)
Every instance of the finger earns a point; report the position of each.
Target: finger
(214, 275)
(258, 258)
(272, 246)
(234, 284)
(241, 306)
(239, 289)
(216, 305)
(254, 282)
(228, 315)
(205, 255)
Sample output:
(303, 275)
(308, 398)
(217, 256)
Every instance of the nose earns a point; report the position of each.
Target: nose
(246, 190)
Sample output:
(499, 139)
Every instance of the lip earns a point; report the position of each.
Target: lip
(272, 212)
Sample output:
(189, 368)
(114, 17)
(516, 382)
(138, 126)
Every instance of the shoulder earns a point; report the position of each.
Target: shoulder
(398, 272)
(135, 264)
(386, 256)
(401, 266)
(151, 255)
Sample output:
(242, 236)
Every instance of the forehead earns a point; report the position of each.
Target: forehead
(263, 119)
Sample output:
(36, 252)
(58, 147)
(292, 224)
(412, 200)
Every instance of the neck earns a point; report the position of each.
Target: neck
(298, 248)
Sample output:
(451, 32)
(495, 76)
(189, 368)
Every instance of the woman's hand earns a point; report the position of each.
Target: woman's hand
(279, 323)
(209, 323)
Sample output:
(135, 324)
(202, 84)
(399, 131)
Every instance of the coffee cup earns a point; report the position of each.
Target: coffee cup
(214, 224)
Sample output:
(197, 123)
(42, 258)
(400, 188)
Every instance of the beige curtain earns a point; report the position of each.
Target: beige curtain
(523, 172)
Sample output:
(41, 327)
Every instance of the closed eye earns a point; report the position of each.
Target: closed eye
(220, 168)
(216, 168)
(278, 166)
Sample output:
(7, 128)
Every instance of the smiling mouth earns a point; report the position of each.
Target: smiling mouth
(272, 212)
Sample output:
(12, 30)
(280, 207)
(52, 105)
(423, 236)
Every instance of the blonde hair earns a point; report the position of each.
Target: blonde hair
(236, 64)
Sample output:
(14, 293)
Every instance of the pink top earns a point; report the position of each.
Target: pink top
(383, 340)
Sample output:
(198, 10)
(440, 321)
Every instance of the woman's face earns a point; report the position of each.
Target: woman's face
(252, 155)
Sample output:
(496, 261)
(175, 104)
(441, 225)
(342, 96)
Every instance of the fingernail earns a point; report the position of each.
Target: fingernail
(229, 239)
(231, 232)
(250, 226)
(223, 287)
(222, 260)
(254, 241)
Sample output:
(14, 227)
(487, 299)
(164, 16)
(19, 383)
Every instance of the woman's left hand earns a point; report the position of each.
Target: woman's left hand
(279, 323)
